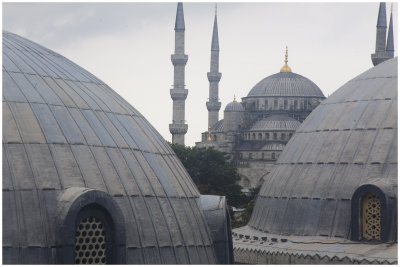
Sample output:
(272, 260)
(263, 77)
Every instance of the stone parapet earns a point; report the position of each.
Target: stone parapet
(178, 94)
(178, 128)
(179, 59)
(214, 76)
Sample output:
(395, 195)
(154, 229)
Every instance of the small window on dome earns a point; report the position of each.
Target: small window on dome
(267, 136)
(272, 155)
(266, 104)
(275, 104)
(371, 217)
(295, 104)
(254, 136)
(283, 136)
(275, 136)
(90, 241)
(285, 104)
(260, 136)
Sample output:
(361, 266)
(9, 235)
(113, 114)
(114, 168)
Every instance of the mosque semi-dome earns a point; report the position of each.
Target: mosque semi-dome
(285, 84)
(276, 123)
(341, 160)
(234, 106)
(77, 156)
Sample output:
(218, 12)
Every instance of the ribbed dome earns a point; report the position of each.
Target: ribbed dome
(286, 84)
(348, 141)
(218, 126)
(234, 106)
(69, 139)
(276, 123)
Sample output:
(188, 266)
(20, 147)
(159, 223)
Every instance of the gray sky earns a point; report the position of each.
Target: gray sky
(128, 46)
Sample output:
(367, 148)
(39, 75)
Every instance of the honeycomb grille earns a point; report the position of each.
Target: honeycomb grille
(371, 217)
(90, 243)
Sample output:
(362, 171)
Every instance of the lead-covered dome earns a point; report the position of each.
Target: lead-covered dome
(276, 123)
(286, 84)
(77, 157)
(340, 166)
(233, 106)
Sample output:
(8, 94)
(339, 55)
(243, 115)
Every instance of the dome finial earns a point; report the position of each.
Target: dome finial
(209, 133)
(286, 67)
(234, 98)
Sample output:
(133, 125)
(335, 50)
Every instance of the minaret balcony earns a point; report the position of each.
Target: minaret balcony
(179, 59)
(214, 77)
(178, 128)
(178, 94)
(213, 106)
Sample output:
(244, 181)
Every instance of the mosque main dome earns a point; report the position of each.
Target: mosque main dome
(337, 176)
(285, 84)
(86, 178)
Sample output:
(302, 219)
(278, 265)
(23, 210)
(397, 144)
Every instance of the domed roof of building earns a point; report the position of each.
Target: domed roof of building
(218, 126)
(286, 84)
(276, 123)
(234, 106)
(348, 143)
(72, 147)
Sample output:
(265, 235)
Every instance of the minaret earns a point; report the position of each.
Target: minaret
(390, 42)
(178, 128)
(380, 49)
(214, 76)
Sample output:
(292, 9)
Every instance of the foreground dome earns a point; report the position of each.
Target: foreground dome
(285, 84)
(337, 176)
(77, 158)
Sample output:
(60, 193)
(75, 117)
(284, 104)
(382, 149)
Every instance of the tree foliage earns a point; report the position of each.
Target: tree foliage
(212, 172)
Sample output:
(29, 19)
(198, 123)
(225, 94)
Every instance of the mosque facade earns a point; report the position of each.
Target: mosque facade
(255, 131)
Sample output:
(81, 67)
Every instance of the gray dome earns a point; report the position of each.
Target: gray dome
(218, 127)
(286, 84)
(234, 106)
(276, 123)
(73, 147)
(348, 143)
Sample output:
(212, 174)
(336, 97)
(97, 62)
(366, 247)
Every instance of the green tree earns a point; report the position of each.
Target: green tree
(212, 172)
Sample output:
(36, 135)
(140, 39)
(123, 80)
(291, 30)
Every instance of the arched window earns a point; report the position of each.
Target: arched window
(94, 223)
(266, 104)
(215, 137)
(295, 104)
(276, 104)
(254, 136)
(290, 135)
(272, 155)
(285, 104)
(259, 136)
(370, 217)
(275, 136)
(373, 213)
(283, 136)
(267, 136)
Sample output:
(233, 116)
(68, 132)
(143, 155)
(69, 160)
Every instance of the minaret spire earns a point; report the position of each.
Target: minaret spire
(390, 41)
(380, 54)
(178, 128)
(214, 76)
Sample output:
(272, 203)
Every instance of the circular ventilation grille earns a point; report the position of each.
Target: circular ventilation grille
(371, 217)
(90, 243)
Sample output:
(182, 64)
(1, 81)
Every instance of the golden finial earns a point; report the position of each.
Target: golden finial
(209, 133)
(234, 98)
(286, 67)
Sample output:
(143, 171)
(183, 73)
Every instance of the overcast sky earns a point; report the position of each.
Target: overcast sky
(128, 46)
